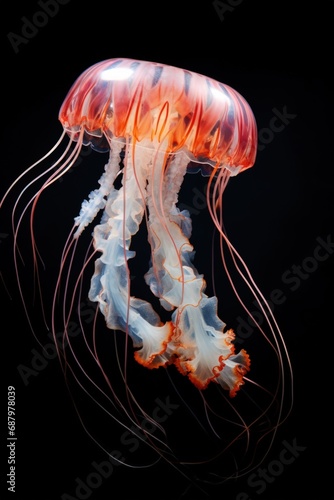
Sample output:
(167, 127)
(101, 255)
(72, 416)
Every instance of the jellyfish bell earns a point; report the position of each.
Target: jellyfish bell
(157, 122)
(180, 110)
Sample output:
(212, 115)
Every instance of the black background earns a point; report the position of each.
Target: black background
(278, 57)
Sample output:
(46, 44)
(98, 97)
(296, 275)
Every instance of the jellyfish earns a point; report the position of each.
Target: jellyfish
(158, 123)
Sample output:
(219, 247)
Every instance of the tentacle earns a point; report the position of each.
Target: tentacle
(96, 199)
(200, 347)
(110, 285)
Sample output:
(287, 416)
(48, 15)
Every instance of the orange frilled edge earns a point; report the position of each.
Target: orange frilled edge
(236, 366)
